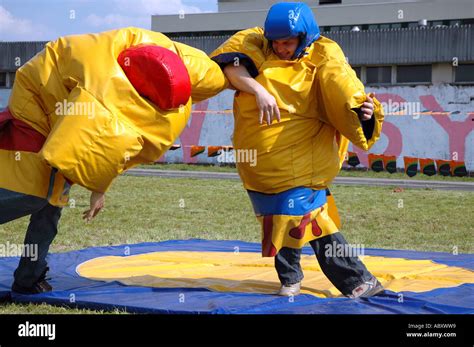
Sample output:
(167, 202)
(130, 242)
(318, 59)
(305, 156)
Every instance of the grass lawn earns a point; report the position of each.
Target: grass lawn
(142, 209)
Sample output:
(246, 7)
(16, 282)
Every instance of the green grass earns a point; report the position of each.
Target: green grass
(144, 209)
(343, 173)
(190, 167)
(12, 308)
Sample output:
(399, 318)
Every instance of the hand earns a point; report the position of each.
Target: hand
(96, 204)
(241, 80)
(367, 108)
(267, 106)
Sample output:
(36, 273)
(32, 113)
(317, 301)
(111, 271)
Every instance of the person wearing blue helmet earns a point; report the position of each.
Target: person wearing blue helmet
(289, 72)
(291, 21)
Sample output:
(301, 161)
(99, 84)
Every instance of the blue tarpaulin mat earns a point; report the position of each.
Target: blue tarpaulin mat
(197, 297)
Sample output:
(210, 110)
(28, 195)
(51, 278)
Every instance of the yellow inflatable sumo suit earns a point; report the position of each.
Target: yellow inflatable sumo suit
(318, 95)
(94, 122)
(82, 111)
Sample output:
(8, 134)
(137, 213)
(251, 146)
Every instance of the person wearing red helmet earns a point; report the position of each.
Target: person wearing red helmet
(74, 118)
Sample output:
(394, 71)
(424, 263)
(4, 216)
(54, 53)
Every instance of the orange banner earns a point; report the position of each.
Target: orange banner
(411, 166)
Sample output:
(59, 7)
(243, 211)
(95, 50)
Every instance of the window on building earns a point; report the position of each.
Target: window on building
(328, 2)
(437, 23)
(3, 79)
(357, 70)
(379, 74)
(414, 74)
(12, 79)
(464, 73)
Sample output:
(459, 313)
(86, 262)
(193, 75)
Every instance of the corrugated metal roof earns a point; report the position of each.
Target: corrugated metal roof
(10, 52)
(370, 47)
(385, 46)
(407, 46)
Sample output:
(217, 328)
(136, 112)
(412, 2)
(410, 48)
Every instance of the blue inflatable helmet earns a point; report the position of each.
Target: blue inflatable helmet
(292, 19)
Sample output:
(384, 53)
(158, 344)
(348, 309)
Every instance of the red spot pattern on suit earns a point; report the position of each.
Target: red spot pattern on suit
(16, 135)
(315, 228)
(268, 249)
(298, 232)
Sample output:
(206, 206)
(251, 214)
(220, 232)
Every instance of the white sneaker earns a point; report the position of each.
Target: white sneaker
(367, 289)
(290, 289)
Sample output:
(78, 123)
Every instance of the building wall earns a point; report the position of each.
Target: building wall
(391, 46)
(245, 5)
(409, 130)
(366, 47)
(447, 134)
(246, 14)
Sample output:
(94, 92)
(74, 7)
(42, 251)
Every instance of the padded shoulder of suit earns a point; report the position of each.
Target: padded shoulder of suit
(207, 79)
(250, 46)
(325, 49)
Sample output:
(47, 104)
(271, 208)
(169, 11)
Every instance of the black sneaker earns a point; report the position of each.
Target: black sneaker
(41, 286)
(367, 289)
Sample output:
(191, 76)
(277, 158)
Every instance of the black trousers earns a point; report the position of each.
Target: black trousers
(345, 272)
(41, 231)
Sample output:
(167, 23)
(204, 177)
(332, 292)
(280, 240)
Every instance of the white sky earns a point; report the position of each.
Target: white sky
(33, 20)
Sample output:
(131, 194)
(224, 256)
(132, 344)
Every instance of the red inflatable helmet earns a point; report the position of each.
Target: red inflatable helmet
(157, 74)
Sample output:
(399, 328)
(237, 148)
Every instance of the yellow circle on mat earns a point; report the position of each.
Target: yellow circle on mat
(248, 272)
